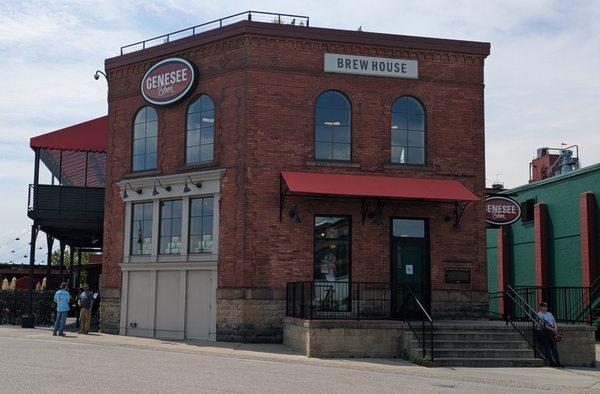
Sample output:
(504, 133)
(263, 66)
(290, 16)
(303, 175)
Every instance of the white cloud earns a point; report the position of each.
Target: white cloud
(542, 79)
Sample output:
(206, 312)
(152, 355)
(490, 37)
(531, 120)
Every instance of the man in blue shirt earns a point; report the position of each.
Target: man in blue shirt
(547, 335)
(61, 298)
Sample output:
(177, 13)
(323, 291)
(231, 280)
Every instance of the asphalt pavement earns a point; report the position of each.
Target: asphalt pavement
(35, 361)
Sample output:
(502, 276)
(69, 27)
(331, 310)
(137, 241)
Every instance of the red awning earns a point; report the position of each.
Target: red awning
(90, 136)
(376, 186)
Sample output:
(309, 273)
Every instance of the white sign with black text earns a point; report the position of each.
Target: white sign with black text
(366, 65)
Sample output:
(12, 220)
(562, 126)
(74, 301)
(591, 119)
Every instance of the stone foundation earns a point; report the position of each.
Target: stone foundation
(250, 320)
(109, 315)
(459, 304)
(327, 338)
(578, 345)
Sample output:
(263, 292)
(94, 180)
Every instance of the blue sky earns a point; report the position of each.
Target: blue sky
(542, 78)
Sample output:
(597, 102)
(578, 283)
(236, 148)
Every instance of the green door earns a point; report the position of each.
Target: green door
(409, 267)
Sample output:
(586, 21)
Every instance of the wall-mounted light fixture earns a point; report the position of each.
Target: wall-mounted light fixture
(125, 195)
(186, 188)
(156, 192)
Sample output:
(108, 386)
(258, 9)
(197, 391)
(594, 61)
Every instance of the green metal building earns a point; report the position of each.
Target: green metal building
(555, 242)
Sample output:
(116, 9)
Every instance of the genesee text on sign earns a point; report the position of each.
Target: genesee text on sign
(367, 65)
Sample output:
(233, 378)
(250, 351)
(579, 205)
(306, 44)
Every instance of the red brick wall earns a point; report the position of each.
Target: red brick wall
(264, 92)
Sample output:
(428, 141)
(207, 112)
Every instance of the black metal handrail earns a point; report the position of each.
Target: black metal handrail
(191, 31)
(523, 319)
(568, 304)
(587, 308)
(426, 338)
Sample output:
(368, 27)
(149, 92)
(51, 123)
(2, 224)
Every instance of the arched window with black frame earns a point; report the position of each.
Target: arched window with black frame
(145, 131)
(200, 131)
(408, 131)
(333, 130)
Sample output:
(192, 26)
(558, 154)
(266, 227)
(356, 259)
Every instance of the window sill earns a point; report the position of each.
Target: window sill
(141, 174)
(333, 164)
(199, 166)
(411, 167)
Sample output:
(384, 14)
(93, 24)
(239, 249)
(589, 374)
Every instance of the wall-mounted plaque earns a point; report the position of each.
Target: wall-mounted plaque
(458, 276)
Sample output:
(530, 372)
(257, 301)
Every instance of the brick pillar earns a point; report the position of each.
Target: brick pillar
(503, 262)
(587, 220)
(540, 220)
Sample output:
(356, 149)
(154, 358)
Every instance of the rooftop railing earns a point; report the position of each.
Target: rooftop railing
(257, 16)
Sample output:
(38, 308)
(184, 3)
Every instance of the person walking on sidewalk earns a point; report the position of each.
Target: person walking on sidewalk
(61, 298)
(85, 302)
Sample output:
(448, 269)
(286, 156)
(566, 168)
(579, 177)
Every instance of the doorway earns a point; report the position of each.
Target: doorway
(409, 266)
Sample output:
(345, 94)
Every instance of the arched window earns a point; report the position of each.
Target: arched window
(332, 127)
(200, 131)
(408, 131)
(145, 130)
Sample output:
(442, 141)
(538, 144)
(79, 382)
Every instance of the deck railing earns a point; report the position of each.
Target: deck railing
(257, 16)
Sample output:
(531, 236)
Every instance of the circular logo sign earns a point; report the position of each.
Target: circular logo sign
(168, 81)
(500, 210)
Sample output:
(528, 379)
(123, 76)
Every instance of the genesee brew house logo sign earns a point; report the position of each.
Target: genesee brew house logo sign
(168, 81)
(500, 210)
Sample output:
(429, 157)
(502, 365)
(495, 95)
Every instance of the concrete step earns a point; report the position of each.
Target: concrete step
(484, 353)
(474, 336)
(451, 344)
(486, 362)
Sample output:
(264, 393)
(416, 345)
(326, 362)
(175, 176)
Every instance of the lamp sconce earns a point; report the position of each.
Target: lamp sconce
(156, 192)
(186, 188)
(293, 213)
(97, 75)
(125, 195)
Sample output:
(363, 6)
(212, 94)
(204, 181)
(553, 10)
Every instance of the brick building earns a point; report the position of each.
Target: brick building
(253, 155)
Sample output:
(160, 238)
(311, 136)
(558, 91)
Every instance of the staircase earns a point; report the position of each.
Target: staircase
(477, 343)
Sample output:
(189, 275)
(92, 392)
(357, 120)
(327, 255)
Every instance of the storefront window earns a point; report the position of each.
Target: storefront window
(141, 228)
(408, 131)
(332, 127)
(332, 248)
(200, 131)
(170, 227)
(201, 225)
(145, 131)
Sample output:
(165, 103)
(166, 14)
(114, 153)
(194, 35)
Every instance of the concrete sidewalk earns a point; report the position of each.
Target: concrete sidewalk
(569, 379)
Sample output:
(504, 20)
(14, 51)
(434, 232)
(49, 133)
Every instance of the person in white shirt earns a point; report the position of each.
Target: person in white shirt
(547, 335)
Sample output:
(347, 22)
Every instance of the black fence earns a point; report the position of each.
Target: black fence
(524, 319)
(257, 16)
(567, 304)
(353, 300)
(14, 303)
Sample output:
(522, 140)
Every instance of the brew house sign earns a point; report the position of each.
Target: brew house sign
(500, 210)
(168, 81)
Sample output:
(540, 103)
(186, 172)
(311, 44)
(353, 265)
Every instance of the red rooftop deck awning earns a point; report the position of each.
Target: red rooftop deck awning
(376, 186)
(90, 136)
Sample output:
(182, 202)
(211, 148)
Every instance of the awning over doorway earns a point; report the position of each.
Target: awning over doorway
(375, 188)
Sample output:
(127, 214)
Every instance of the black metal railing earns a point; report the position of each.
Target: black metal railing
(257, 16)
(422, 328)
(568, 304)
(523, 318)
(13, 304)
(339, 300)
(496, 305)
(65, 202)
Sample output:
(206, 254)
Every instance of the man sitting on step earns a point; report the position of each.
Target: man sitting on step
(547, 335)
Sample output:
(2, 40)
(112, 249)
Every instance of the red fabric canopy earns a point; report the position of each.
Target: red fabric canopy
(90, 136)
(377, 186)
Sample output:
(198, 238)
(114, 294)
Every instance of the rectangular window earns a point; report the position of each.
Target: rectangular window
(332, 248)
(408, 228)
(170, 227)
(201, 225)
(141, 228)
